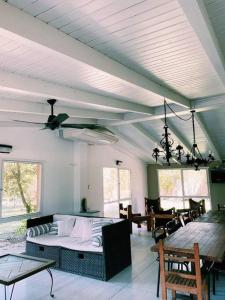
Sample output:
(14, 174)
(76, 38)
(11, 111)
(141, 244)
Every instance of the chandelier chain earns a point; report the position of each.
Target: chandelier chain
(187, 119)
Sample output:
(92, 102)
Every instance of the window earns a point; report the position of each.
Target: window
(176, 186)
(20, 188)
(116, 189)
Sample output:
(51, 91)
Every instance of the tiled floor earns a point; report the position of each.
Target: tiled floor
(136, 282)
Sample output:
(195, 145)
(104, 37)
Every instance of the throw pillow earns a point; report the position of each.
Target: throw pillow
(54, 229)
(38, 230)
(61, 228)
(86, 231)
(97, 231)
(77, 231)
(69, 222)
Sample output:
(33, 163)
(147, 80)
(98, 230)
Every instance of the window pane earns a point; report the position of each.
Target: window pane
(110, 184)
(21, 188)
(170, 183)
(12, 237)
(167, 203)
(111, 210)
(195, 183)
(125, 192)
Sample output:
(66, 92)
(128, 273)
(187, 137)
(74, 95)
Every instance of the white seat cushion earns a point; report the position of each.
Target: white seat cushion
(65, 241)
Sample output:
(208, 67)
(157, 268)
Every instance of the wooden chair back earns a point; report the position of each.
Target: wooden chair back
(161, 218)
(152, 205)
(172, 226)
(137, 218)
(126, 212)
(197, 206)
(182, 281)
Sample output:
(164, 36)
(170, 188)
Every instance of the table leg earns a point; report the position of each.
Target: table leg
(11, 292)
(50, 273)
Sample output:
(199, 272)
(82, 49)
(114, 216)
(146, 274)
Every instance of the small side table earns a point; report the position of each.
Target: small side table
(15, 267)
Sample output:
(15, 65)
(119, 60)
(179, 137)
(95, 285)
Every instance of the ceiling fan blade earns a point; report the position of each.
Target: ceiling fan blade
(88, 126)
(60, 118)
(81, 126)
(29, 122)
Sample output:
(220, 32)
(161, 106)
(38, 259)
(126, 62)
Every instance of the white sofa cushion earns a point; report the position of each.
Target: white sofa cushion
(67, 226)
(82, 228)
(65, 241)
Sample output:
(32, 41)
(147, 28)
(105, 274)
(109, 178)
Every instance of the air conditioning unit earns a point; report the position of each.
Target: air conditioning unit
(88, 135)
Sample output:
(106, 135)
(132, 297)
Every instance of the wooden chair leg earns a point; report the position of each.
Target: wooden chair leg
(207, 296)
(164, 293)
(173, 295)
(158, 282)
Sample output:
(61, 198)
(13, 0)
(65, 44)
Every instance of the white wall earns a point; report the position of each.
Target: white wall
(57, 158)
(106, 156)
(71, 170)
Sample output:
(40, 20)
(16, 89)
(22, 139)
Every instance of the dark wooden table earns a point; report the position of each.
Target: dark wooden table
(213, 216)
(210, 236)
(14, 268)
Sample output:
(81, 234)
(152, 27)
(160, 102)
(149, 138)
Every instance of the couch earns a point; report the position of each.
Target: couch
(79, 255)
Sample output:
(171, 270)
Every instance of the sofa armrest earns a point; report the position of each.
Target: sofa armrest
(39, 221)
(116, 247)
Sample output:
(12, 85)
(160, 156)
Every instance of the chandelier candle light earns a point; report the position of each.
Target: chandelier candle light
(194, 158)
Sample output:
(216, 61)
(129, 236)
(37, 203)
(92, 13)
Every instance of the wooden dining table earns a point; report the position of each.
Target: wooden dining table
(210, 237)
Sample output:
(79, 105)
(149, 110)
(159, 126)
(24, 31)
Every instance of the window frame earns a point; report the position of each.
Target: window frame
(26, 215)
(183, 196)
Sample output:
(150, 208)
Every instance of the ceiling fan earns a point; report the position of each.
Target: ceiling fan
(56, 122)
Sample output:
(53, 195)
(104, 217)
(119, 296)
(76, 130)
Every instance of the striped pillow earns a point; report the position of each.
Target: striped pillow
(53, 228)
(96, 231)
(38, 230)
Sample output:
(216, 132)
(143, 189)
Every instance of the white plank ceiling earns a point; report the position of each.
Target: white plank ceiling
(154, 49)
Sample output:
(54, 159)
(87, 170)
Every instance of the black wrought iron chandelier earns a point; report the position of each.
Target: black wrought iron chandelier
(194, 158)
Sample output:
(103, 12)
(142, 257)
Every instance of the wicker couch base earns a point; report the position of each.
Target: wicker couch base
(44, 251)
(90, 264)
(83, 263)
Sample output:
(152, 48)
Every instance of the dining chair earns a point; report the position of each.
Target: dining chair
(171, 227)
(193, 282)
(161, 218)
